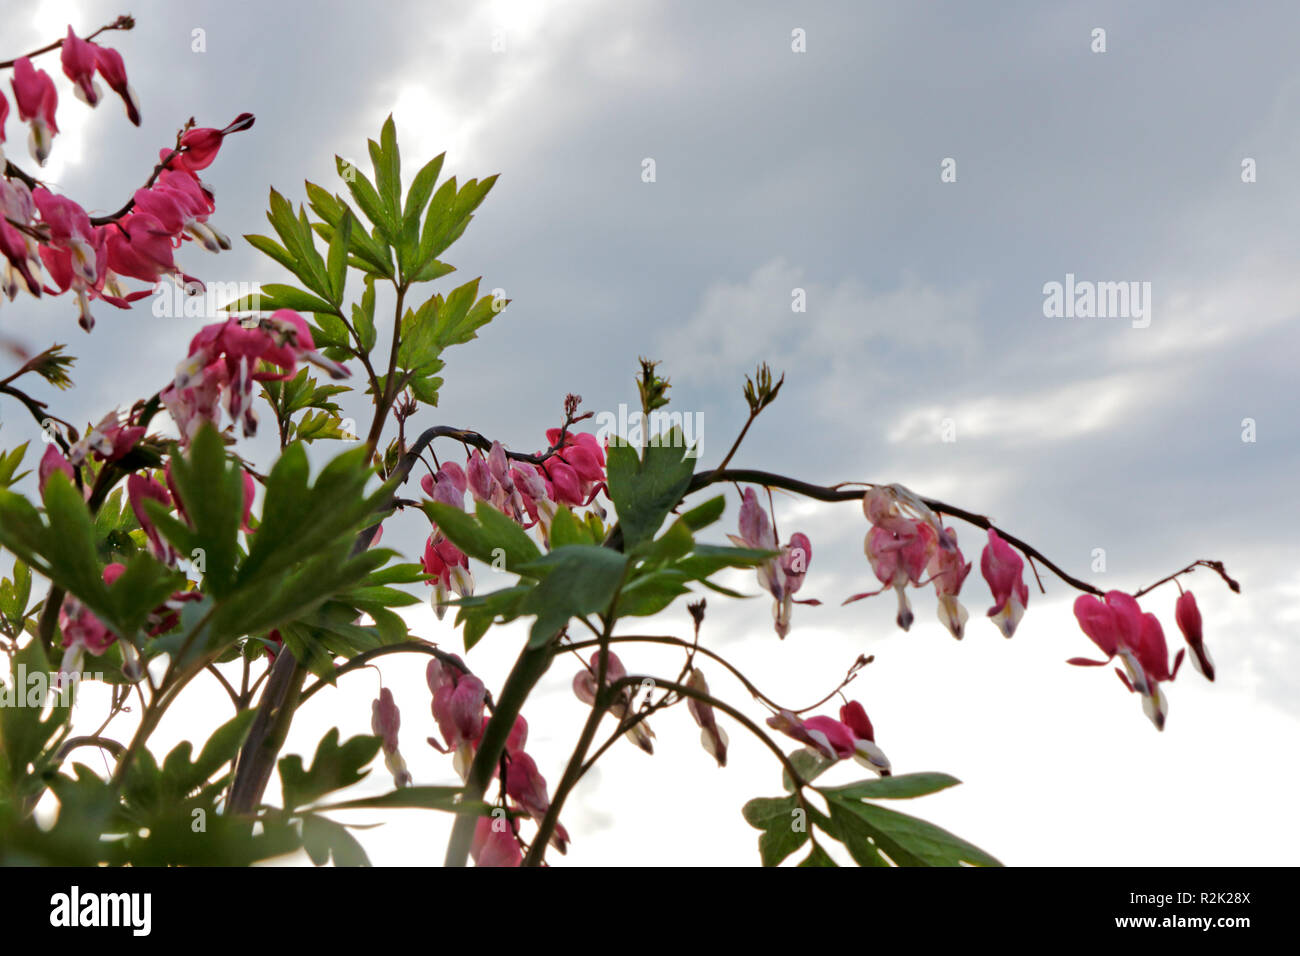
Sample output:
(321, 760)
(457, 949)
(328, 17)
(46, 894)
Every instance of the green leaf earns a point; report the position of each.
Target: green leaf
(338, 259)
(287, 297)
(424, 798)
(810, 765)
(211, 488)
(645, 490)
(387, 161)
(565, 529)
(417, 198)
(651, 593)
(909, 841)
(372, 257)
(784, 826)
(818, 857)
(364, 193)
(181, 777)
(857, 837)
(578, 580)
(333, 767)
(705, 514)
(363, 317)
(901, 787)
(489, 536)
(324, 839)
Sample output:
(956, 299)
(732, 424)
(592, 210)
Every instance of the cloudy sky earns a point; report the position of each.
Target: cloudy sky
(821, 171)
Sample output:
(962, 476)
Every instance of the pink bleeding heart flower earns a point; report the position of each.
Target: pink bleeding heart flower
(200, 145)
(250, 490)
(782, 575)
(138, 489)
(584, 688)
(459, 700)
(526, 787)
(1188, 616)
(80, 59)
(37, 100)
(850, 737)
(181, 207)
(113, 70)
(385, 720)
(948, 569)
(82, 631)
(53, 460)
(495, 843)
(1003, 569)
(575, 473)
(110, 440)
(534, 494)
(899, 558)
(1118, 626)
(448, 570)
(223, 362)
(712, 737)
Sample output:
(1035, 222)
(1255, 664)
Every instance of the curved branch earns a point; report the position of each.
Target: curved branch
(406, 647)
(838, 493)
(104, 743)
(124, 22)
(718, 658)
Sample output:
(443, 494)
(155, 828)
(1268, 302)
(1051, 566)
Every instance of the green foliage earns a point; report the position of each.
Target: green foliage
(873, 835)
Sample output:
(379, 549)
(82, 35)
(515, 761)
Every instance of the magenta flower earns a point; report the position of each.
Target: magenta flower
(79, 58)
(852, 736)
(899, 552)
(385, 720)
(576, 472)
(138, 488)
(1003, 569)
(223, 362)
(1188, 616)
(37, 100)
(448, 570)
(459, 700)
(495, 843)
(110, 440)
(52, 461)
(948, 569)
(113, 70)
(82, 631)
(1119, 627)
(782, 575)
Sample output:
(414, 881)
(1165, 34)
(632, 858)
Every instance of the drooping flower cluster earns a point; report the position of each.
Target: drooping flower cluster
(221, 369)
(782, 575)
(908, 546)
(45, 236)
(575, 473)
(526, 493)
(459, 706)
(83, 632)
(1119, 627)
(850, 737)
